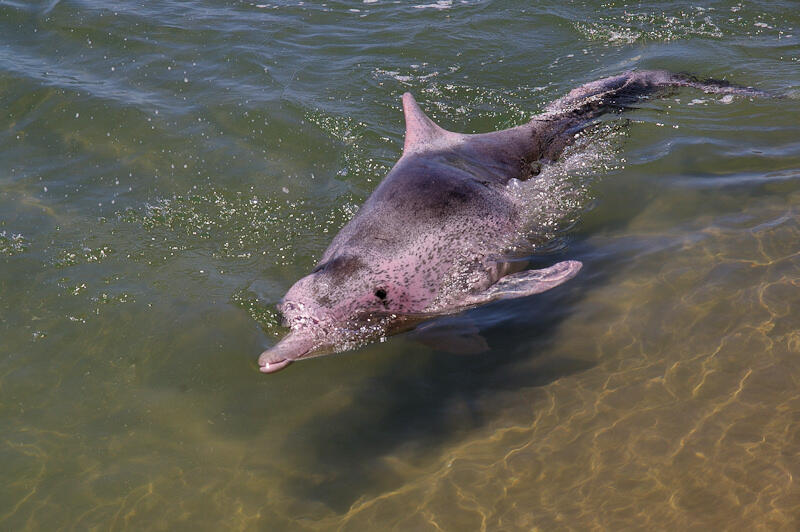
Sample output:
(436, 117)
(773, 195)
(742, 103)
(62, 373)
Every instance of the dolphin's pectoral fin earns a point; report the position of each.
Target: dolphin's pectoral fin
(527, 283)
(459, 336)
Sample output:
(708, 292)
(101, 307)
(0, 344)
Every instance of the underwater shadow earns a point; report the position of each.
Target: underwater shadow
(425, 398)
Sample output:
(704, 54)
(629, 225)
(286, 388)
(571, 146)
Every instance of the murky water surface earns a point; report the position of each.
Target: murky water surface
(169, 169)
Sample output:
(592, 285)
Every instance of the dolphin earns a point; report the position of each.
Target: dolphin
(434, 237)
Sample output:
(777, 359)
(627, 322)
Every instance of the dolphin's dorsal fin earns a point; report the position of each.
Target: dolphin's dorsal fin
(421, 131)
(500, 154)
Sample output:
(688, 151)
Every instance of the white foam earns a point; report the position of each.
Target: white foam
(440, 4)
(555, 199)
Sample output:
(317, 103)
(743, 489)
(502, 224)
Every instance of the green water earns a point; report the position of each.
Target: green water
(168, 170)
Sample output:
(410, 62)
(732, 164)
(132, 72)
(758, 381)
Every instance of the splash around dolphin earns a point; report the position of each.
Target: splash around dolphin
(433, 238)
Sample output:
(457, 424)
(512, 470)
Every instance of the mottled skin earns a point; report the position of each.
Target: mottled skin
(430, 239)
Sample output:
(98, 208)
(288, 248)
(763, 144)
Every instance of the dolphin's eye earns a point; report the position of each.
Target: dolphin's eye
(380, 293)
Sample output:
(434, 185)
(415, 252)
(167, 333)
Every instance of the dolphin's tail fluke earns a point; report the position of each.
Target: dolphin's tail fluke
(617, 93)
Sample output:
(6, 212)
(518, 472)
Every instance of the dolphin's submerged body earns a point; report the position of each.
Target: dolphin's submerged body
(433, 238)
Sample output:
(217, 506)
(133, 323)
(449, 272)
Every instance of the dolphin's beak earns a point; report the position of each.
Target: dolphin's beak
(293, 346)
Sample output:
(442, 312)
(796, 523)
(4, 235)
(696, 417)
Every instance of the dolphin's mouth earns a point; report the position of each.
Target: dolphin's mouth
(293, 346)
(310, 338)
(272, 367)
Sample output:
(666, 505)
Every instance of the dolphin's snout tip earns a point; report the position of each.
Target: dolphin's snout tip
(290, 348)
(268, 362)
(272, 367)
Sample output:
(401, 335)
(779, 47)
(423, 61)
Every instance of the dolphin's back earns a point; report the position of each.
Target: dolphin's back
(431, 193)
(499, 156)
(447, 183)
